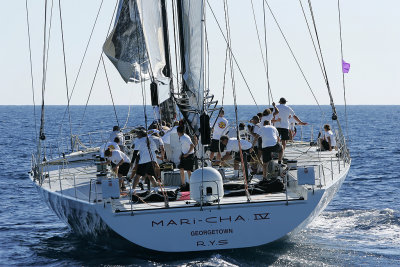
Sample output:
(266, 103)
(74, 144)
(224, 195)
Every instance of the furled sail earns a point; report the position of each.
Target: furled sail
(152, 24)
(193, 38)
(125, 46)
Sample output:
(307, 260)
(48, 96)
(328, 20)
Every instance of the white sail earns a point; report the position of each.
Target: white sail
(152, 23)
(125, 46)
(193, 37)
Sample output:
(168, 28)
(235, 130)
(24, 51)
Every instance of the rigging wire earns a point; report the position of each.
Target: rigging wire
(266, 57)
(343, 79)
(144, 100)
(86, 49)
(312, 40)
(83, 59)
(334, 115)
(65, 69)
(31, 67)
(261, 51)
(224, 82)
(90, 92)
(97, 68)
(226, 11)
(109, 88)
(233, 55)
(41, 134)
(293, 55)
(49, 34)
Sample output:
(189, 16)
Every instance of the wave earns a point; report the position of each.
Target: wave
(376, 231)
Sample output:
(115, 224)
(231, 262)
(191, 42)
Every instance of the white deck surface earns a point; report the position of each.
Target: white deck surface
(78, 180)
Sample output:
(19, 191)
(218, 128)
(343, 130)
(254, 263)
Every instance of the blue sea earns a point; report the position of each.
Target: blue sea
(360, 227)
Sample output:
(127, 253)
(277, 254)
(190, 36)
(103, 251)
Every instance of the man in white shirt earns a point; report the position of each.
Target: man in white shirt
(187, 156)
(220, 128)
(231, 145)
(268, 114)
(328, 141)
(121, 164)
(116, 133)
(111, 145)
(147, 165)
(270, 143)
(282, 121)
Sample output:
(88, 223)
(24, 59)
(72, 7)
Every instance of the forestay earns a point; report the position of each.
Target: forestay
(125, 46)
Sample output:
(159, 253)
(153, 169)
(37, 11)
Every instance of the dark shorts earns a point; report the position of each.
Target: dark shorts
(146, 168)
(259, 142)
(187, 163)
(267, 156)
(124, 169)
(283, 133)
(214, 145)
(245, 153)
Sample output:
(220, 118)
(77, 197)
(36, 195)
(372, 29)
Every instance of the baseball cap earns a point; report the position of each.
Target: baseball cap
(282, 100)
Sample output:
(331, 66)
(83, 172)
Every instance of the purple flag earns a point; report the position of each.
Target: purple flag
(345, 66)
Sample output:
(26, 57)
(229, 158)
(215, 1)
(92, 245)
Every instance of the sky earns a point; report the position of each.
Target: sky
(371, 41)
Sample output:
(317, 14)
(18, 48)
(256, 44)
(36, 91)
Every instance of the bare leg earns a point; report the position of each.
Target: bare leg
(280, 155)
(218, 156)
(120, 181)
(265, 164)
(153, 181)
(136, 181)
(182, 171)
(189, 174)
(284, 144)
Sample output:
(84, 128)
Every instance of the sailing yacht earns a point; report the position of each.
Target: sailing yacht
(222, 211)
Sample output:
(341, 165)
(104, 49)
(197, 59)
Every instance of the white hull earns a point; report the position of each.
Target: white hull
(192, 229)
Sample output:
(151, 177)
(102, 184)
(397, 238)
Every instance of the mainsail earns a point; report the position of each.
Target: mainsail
(152, 24)
(193, 38)
(125, 46)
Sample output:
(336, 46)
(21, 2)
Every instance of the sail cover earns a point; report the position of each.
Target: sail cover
(125, 46)
(192, 16)
(152, 24)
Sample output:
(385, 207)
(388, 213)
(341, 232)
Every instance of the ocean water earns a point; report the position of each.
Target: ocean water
(361, 226)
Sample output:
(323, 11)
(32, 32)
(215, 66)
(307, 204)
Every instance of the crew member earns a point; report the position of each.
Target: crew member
(328, 141)
(219, 128)
(282, 123)
(187, 156)
(121, 164)
(268, 114)
(270, 143)
(147, 167)
(231, 145)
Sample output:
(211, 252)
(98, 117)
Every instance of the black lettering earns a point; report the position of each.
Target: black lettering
(171, 222)
(222, 242)
(186, 221)
(240, 218)
(192, 233)
(225, 219)
(212, 242)
(200, 243)
(155, 223)
(209, 220)
(262, 216)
